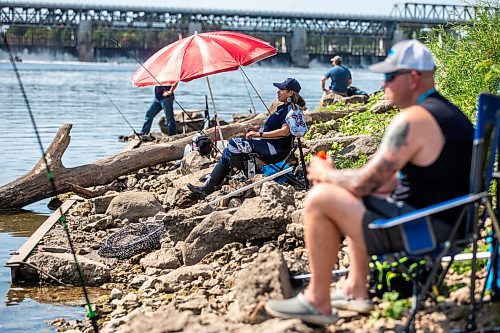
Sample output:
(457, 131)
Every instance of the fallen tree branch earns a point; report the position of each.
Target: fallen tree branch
(35, 186)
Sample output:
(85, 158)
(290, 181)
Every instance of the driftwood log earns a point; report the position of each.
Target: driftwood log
(35, 185)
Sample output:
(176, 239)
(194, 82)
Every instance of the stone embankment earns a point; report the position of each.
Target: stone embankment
(212, 268)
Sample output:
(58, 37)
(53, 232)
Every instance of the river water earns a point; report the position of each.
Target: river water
(74, 92)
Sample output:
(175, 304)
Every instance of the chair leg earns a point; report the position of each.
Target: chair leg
(425, 288)
(303, 162)
(416, 298)
(470, 325)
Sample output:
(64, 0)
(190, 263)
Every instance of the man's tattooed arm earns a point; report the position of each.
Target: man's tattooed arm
(380, 168)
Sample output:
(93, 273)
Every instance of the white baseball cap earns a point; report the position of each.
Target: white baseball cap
(406, 54)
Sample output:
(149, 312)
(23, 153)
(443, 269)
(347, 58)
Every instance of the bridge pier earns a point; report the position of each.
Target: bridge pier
(84, 46)
(397, 34)
(194, 27)
(299, 54)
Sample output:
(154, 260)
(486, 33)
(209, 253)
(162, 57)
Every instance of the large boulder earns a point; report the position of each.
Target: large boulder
(329, 97)
(265, 216)
(381, 106)
(176, 280)
(193, 162)
(169, 319)
(134, 205)
(208, 236)
(179, 222)
(266, 278)
(352, 146)
(99, 205)
(366, 145)
(61, 266)
(179, 197)
(163, 258)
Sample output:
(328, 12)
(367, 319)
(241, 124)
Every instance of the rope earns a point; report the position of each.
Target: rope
(91, 314)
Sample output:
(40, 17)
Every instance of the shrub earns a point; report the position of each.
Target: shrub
(468, 57)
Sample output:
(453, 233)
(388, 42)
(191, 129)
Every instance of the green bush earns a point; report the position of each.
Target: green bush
(395, 309)
(468, 57)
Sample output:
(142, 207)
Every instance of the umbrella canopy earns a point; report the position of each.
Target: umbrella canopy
(200, 55)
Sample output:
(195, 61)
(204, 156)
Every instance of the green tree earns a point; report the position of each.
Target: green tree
(468, 57)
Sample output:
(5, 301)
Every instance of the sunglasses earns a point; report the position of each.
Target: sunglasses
(388, 77)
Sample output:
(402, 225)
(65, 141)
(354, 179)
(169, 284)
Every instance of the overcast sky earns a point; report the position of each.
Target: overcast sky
(364, 7)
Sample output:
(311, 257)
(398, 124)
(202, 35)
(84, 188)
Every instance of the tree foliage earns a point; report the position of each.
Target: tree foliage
(468, 56)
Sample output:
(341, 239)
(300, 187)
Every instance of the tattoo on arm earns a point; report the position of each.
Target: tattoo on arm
(365, 181)
(361, 183)
(398, 136)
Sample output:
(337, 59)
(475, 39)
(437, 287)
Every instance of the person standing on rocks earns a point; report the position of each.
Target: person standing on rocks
(427, 146)
(274, 138)
(164, 99)
(340, 77)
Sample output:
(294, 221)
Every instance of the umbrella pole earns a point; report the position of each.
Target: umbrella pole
(215, 113)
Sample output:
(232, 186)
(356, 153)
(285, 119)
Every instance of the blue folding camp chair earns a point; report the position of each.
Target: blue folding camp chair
(280, 161)
(476, 207)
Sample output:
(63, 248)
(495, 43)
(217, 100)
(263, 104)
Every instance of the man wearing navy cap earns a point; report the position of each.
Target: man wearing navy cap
(424, 158)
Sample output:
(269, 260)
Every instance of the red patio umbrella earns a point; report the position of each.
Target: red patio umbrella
(201, 55)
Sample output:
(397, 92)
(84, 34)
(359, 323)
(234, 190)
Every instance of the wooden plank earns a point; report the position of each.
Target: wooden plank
(28, 246)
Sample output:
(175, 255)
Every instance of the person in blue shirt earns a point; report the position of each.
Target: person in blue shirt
(274, 138)
(164, 99)
(340, 77)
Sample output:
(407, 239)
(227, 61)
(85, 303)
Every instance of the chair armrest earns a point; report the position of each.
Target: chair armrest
(423, 212)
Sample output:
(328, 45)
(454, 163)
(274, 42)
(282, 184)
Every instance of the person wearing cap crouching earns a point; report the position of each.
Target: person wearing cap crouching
(273, 139)
(340, 77)
(424, 158)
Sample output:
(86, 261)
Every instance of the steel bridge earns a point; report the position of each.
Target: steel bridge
(148, 28)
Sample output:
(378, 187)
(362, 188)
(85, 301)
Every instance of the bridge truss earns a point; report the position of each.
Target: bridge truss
(327, 33)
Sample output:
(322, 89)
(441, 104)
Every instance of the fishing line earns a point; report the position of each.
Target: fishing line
(91, 314)
(255, 90)
(248, 91)
(117, 109)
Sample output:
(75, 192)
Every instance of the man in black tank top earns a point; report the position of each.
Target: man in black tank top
(424, 158)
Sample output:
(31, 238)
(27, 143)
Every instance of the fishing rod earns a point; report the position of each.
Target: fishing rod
(183, 110)
(123, 116)
(91, 314)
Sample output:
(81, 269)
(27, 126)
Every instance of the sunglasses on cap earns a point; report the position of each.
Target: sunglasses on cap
(388, 77)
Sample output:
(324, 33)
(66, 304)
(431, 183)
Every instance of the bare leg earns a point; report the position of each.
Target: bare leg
(329, 211)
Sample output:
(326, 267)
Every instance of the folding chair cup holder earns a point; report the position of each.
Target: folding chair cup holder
(418, 235)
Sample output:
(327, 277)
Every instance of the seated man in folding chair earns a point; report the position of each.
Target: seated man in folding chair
(274, 138)
(424, 158)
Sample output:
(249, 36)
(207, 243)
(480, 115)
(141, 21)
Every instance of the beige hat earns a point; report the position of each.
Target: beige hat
(336, 58)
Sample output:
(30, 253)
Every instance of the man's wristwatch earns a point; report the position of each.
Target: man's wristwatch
(260, 134)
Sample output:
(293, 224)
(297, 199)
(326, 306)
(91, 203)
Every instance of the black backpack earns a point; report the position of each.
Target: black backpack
(202, 143)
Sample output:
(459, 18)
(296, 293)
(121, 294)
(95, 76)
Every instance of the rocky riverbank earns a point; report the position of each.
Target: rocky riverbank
(211, 268)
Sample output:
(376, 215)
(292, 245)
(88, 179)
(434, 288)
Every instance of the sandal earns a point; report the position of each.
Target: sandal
(299, 307)
(340, 300)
